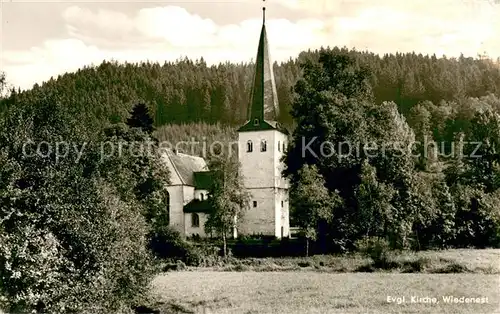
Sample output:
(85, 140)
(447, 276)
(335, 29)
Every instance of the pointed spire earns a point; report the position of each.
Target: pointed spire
(264, 100)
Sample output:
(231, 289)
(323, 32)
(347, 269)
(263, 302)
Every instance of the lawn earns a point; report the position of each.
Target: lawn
(312, 291)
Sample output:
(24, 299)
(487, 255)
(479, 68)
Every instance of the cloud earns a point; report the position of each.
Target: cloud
(170, 32)
(177, 26)
(156, 34)
(106, 20)
(54, 57)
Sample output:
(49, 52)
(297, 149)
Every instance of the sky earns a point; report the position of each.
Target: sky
(47, 38)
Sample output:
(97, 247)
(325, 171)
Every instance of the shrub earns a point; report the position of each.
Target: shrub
(416, 266)
(94, 261)
(73, 229)
(375, 248)
(167, 243)
(207, 255)
(453, 268)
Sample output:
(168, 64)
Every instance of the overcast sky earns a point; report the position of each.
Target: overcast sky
(40, 40)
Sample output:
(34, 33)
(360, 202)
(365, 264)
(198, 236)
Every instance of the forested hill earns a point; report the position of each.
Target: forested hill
(190, 91)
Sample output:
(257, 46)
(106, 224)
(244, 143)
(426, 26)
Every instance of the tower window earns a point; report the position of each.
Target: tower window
(256, 122)
(202, 196)
(281, 203)
(283, 146)
(195, 220)
(263, 145)
(279, 146)
(249, 146)
(254, 203)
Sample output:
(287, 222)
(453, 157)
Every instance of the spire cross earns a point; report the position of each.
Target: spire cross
(263, 13)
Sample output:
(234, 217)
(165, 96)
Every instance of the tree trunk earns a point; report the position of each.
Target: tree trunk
(225, 244)
(418, 240)
(307, 247)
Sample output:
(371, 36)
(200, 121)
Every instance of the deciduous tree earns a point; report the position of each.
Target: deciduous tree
(228, 198)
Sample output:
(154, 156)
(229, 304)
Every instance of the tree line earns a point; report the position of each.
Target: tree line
(187, 91)
(428, 180)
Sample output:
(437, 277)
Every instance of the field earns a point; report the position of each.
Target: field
(321, 291)
(313, 292)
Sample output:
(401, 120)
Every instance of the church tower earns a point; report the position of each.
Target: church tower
(262, 143)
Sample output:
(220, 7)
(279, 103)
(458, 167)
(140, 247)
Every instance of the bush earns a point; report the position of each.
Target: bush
(453, 268)
(207, 255)
(375, 248)
(258, 246)
(73, 229)
(416, 266)
(167, 243)
(87, 261)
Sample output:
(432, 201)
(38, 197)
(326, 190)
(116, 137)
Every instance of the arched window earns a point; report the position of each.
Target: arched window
(284, 147)
(263, 145)
(167, 202)
(279, 146)
(195, 220)
(256, 122)
(249, 146)
(202, 196)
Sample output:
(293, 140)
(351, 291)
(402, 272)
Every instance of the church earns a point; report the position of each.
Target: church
(262, 141)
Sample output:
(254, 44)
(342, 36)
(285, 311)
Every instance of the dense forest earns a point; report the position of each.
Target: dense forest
(188, 91)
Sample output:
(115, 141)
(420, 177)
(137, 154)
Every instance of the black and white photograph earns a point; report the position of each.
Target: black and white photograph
(249, 156)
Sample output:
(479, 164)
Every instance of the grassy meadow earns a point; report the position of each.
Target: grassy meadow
(327, 289)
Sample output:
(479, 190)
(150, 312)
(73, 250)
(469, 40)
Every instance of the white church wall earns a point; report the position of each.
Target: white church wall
(188, 192)
(257, 167)
(283, 214)
(260, 219)
(176, 212)
(279, 140)
(190, 230)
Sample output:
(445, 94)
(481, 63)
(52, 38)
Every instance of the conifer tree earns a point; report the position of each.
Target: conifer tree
(140, 118)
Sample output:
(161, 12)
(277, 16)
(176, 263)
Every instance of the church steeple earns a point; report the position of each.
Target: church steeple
(263, 110)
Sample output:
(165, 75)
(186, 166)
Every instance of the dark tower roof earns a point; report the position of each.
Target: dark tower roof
(263, 110)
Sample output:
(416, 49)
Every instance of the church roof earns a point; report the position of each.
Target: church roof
(186, 166)
(263, 110)
(197, 206)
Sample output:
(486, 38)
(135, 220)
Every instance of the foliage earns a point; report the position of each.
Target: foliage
(375, 248)
(228, 198)
(374, 202)
(141, 119)
(351, 138)
(72, 231)
(409, 194)
(166, 243)
(313, 204)
(477, 222)
(132, 157)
